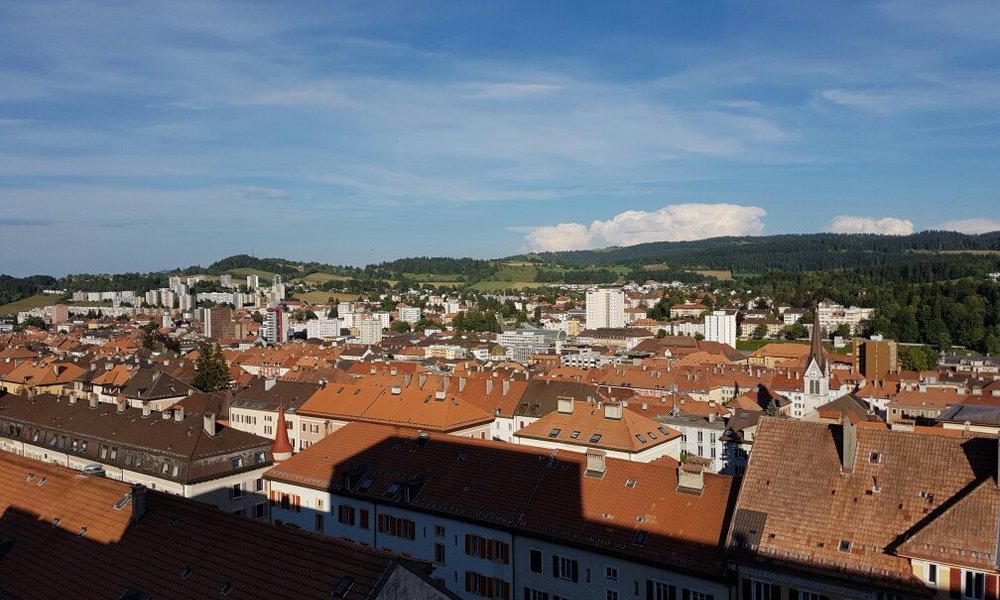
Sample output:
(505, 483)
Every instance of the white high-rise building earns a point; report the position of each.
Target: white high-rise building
(720, 326)
(605, 308)
(275, 327)
(369, 331)
(323, 328)
(253, 282)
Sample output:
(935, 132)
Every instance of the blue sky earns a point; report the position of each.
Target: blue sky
(138, 136)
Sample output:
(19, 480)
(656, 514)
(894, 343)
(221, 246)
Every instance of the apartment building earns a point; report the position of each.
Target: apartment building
(554, 524)
(605, 308)
(856, 510)
(189, 454)
(64, 534)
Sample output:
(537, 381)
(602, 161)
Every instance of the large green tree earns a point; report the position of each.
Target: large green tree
(213, 372)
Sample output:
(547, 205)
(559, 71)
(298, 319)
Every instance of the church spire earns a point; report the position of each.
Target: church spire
(282, 449)
(816, 343)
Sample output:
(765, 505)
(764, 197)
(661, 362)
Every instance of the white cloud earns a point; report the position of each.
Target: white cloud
(975, 225)
(885, 225)
(511, 91)
(672, 223)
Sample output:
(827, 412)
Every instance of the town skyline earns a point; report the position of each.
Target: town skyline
(188, 130)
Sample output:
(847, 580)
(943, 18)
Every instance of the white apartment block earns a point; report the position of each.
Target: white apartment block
(832, 316)
(605, 308)
(720, 326)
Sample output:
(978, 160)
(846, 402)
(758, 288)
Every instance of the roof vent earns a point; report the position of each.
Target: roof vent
(423, 438)
(93, 470)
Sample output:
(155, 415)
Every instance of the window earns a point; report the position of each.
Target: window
(114, 454)
(932, 574)
(397, 527)
(874, 458)
(595, 438)
(554, 433)
(844, 546)
(439, 553)
(975, 585)
(494, 550)
(658, 590)
(363, 521)
(345, 514)
(641, 438)
(535, 561)
(318, 526)
(565, 568)
(259, 511)
(611, 595)
(237, 462)
(574, 435)
(439, 531)
(487, 587)
(258, 484)
(806, 595)
(696, 595)
(236, 491)
(533, 594)
(611, 573)
(104, 452)
(760, 590)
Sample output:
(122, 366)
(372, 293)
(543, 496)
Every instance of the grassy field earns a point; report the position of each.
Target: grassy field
(320, 297)
(28, 303)
(513, 272)
(434, 277)
(493, 285)
(720, 275)
(320, 278)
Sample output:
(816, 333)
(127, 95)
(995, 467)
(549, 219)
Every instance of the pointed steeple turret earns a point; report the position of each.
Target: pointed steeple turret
(282, 449)
(816, 343)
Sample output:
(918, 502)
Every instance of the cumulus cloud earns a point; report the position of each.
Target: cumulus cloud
(885, 225)
(672, 223)
(975, 225)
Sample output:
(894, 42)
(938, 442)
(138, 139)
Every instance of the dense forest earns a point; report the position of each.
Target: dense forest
(803, 252)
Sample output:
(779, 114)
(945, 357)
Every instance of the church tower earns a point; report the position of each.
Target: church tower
(816, 379)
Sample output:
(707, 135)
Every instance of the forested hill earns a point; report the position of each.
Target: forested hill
(791, 252)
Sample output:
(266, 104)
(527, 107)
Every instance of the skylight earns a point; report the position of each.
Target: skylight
(640, 537)
(640, 437)
(554, 432)
(366, 484)
(595, 438)
(663, 430)
(844, 546)
(574, 435)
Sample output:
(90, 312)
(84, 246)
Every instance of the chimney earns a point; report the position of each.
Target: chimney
(395, 390)
(146, 411)
(178, 413)
(595, 463)
(93, 401)
(489, 387)
(209, 424)
(565, 405)
(461, 384)
(506, 386)
(165, 415)
(72, 399)
(138, 502)
(691, 478)
(848, 444)
(613, 410)
(120, 405)
(711, 417)
(269, 383)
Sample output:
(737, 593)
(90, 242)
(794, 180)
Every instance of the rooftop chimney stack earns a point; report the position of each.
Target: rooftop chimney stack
(848, 444)
(595, 463)
(146, 410)
(93, 401)
(269, 383)
(209, 424)
(179, 414)
(565, 405)
(613, 410)
(691, 478)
